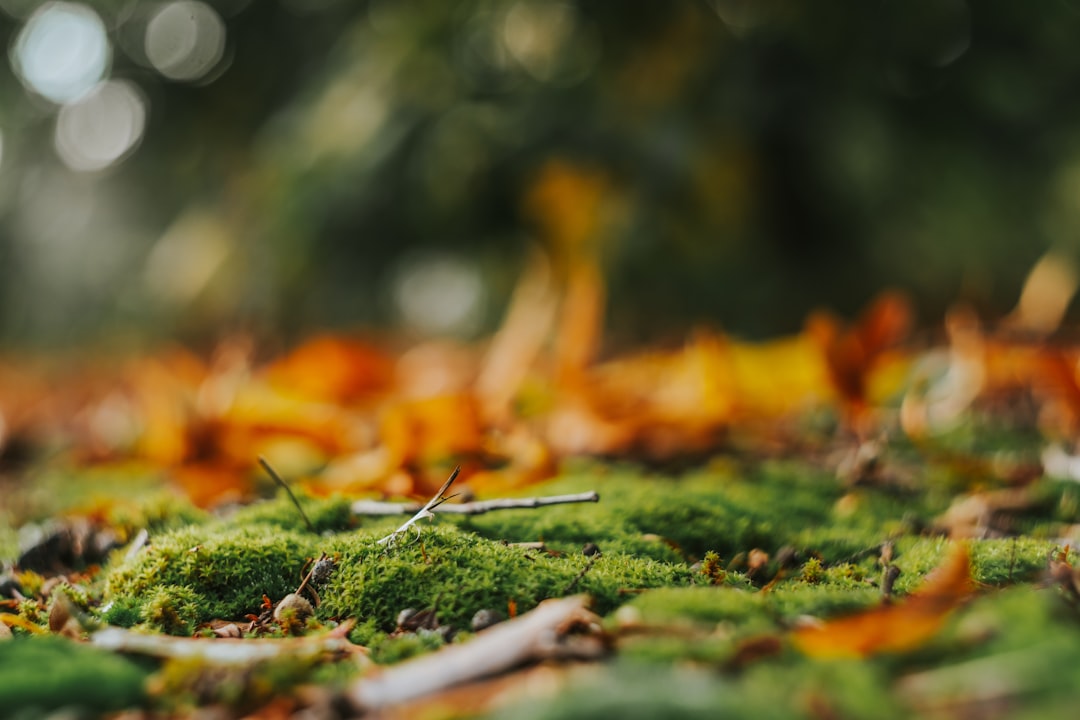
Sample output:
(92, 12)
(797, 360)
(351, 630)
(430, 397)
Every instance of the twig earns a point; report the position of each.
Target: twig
(479, 507)
(536, 635)
(304, 584)
(277, 478)
(426, 511)
(227, 652)
(574, 583)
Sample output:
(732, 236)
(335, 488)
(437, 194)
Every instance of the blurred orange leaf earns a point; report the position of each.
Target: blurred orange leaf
(433, 428)
(332, 369)
(894, 628)
(852, 353)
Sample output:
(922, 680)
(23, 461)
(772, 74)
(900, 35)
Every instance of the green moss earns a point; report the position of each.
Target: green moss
(636, 515)
(393, 649)
(326, 514)
(779, 504)
(459, 573)
(788, 601)
(156, 512)
(228, 568)
(186, 684)
(704, 605)
(812, 571)
(41, 674)
(634, 690)
(9, 540)
(767, 691)
(122, 612)
(172, 609)
(994, 562)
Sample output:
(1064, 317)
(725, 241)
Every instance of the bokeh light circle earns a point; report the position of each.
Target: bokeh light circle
(62, 51)
(185, 40)
(101, 128)
(438, 293)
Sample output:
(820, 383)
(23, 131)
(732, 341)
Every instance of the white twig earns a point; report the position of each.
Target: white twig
(479, 507)
(543, 633)
(227, 652)
(426, 511)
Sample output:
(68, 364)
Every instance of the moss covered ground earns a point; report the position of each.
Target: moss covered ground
(701, 578)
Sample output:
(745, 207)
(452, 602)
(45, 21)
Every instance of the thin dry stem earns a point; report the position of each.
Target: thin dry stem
(425, 512)
(479, 507)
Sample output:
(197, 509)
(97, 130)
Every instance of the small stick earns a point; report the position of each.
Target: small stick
(479, 507)
(427, 511)
(573, 583)
(307, 579)
(277, 478)
(227, 651)
(892, 572)
(540, 634)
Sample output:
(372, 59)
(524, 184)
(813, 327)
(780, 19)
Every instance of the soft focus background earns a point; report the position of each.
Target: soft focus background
(187, 169)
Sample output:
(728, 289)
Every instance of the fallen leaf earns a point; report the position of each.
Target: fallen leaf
(898, 627)
(332, 369)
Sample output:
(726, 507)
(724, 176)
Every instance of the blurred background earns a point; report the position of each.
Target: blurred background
(187, 169)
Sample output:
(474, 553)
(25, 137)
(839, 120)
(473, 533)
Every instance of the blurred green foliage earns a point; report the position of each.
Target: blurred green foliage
(761, 158)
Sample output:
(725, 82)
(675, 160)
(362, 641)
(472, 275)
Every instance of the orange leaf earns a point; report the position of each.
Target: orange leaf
(894, 628)
(851, 353)
(332, 369)
(428, 429)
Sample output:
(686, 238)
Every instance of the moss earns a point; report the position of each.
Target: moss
(791, 600)
(9, 540)
(708, 605)
(712, 568)
(172, 609)
(33, 612)
(156, 512)
(327, 515)
(123, 612)
(995, 562)
(184, 684)
(634, 690)
(812, 571)
(228, 568)
(725, 511)
(76, 594)
(394, 649)
(459, 573)
(41, 674)
(770, 691)
(847, 689)
(667, 520)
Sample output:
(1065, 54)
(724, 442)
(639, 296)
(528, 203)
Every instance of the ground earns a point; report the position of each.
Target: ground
(761, 586)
